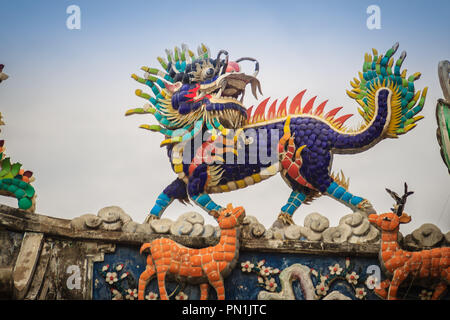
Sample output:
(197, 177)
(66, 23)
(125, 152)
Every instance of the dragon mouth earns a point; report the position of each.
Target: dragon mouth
(230, 87)
(226, 97)
(229, 118)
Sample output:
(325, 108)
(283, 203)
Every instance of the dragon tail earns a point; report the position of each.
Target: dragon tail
(388, 100)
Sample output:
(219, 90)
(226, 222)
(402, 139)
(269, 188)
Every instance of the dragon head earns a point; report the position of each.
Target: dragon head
(193, 91)
(217, 86)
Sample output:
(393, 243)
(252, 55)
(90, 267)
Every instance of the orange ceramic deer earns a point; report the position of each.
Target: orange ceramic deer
(199, 266)
(400, 264)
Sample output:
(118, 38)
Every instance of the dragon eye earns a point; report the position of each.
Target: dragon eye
(208, 73)
(386, 219)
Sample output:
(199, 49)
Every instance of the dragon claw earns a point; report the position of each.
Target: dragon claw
(215, 214)
(149, 218)
(284, 220)
(366, 207)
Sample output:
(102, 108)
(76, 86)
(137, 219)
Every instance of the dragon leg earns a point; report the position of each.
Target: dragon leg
(341, 194)
(291, 161)
(206, 203)
(295, 200)
(196, 190)
(162, 202)
(176, 190)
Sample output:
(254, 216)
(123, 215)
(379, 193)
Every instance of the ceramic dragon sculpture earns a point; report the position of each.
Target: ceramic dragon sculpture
(215, 144)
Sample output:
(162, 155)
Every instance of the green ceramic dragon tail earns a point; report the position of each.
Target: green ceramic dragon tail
(443, 113)
(15, 182)
(406, 103)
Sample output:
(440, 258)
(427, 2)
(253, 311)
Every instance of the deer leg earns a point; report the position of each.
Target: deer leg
(215, 279)
(220, 289)
(161, 275)
(382, 291)
(445, 275)
(439, 290)
(144, 279)
(204, 291)
(442, 286)
(399, 276)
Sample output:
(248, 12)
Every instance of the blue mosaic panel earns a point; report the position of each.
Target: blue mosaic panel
(241, 285)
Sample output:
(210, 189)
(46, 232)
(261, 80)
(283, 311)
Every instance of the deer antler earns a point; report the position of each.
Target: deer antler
(400, 202)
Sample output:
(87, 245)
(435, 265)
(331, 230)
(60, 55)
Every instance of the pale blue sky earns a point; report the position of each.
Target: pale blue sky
(68, 91)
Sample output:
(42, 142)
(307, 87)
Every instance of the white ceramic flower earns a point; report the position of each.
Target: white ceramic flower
(271, 285)
(336, 269)
(132, 294)
(260, 279)
(352, 277)
(151, 296)
(265, 271)
(275, 271)
(322, 289)
(314, 272)
(124, 275)
(247, 266)
(105, 267)
(425, 295)
(111, 277)
(360, 293)
(260, 263)
(181, 296)
(372, 282)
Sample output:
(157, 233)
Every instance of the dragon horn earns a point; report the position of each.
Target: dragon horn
(218, 63)
(250, 59)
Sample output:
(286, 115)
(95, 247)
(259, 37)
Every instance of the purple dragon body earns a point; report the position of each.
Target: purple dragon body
(216, 145)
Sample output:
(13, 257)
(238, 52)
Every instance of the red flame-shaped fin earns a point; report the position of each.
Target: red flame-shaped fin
(340, 121)
(319, 109)
(260, 111)
(282, 109)
(249, 114)
(272, 110)
(309, 105)
(332, 113)
(295, 106)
